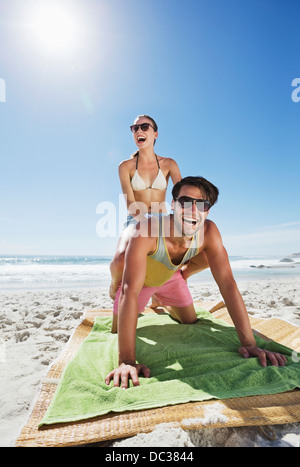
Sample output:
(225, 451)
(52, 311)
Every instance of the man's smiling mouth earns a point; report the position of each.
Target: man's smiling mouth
(189, 220)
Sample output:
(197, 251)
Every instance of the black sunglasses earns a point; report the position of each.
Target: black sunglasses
(186, 202)
(143, 126)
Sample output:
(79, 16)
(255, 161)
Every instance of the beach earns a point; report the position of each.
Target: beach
(36, 324)
(203, 144)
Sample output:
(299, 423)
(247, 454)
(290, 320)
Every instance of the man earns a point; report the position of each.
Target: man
(159, 261)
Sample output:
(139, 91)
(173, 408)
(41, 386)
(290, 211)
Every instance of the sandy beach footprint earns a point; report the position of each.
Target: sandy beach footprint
(44, 321)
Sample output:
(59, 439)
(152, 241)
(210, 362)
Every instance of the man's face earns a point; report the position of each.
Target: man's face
(187, 218)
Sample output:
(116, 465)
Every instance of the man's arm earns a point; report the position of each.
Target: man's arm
(218, 261)
(132, 283)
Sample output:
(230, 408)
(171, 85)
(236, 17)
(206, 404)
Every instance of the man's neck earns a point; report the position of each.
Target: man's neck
(177, 236)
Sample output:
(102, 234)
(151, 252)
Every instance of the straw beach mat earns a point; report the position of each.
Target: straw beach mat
(246, 411)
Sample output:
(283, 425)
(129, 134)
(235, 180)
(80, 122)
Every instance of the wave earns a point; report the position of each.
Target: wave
(44, 272)
(68, 272)
(53, 260)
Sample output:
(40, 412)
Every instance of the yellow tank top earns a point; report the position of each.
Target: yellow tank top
(159, 265)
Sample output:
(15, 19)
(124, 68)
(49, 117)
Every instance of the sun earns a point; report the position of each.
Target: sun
(56, 27)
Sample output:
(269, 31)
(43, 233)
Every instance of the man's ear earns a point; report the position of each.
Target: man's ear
(172, 204)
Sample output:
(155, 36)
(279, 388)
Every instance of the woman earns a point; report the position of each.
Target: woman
(144, 180)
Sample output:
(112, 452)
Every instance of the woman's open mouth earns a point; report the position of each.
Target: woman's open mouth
(141, 139)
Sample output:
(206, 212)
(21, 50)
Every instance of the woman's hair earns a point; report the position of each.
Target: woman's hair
(149, 118)
(207, 188)
(155, 127)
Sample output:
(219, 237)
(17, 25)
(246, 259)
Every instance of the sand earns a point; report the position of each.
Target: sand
(36, 325)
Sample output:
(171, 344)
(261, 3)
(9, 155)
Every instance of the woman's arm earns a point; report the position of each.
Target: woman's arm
(174, 172)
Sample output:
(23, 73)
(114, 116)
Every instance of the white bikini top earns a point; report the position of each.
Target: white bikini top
(137, 183)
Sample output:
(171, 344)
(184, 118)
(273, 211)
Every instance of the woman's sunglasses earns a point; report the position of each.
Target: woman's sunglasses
(142, 126)
(186, 202)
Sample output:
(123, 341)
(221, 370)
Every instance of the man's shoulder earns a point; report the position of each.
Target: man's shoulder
(210, 226)
(145, 233)
(211, 232)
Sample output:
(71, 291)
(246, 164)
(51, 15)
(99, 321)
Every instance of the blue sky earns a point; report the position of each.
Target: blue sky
(215, 75)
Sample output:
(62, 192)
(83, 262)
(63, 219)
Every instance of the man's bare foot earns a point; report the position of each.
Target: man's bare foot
(113, 288)
(114, 324)
(155, 302)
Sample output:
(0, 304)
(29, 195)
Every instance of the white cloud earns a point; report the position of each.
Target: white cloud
(281, 239)
(280, 226)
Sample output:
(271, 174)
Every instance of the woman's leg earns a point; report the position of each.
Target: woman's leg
(117, 263)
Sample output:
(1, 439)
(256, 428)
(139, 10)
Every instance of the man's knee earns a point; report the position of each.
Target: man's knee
(189, 320)
(186, 315)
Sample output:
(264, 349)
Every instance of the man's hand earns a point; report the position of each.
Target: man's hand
(125, 371)
(275, 358)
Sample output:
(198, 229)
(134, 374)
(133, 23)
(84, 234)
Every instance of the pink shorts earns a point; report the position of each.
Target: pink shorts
(175, 292)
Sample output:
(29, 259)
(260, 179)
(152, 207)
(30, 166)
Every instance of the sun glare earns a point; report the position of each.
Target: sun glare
(56, 27)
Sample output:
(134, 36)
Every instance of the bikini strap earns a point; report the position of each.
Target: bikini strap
(137, 160)
(157, 161)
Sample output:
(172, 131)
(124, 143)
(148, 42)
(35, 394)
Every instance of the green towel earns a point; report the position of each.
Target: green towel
(188, 362)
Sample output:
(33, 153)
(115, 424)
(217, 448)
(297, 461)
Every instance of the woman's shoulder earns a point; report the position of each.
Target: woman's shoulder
(168, 161)
(127, 164)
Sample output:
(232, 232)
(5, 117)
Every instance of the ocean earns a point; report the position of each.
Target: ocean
(74, 272)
